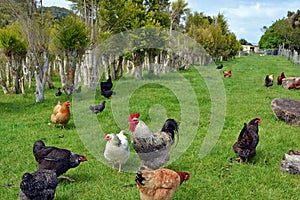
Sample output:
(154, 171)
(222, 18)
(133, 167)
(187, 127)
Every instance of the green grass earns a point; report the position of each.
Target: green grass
(212, 177)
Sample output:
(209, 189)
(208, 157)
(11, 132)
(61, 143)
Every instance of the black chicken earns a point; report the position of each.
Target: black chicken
(98, 108)
(247, 141)
(107, 93)
(40, 185)
(106, 86)
(56, 159)
(220, 66)
(58, 92)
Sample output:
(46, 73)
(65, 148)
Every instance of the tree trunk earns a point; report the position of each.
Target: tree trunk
(2, 82)
(77, 74)
(87, 64)
(15, 76)
(137, 62)
(151, 58)
(22, 85)
(91, 70)
(39, 91)
(62, 65)
(119, 70)
(105, 65)
(49, 80)
(113, 66)
(287, 110)
(291, 164)
(41, 74)
(7, 73)
(71, 68)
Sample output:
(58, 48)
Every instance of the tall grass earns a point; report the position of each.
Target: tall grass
(216, 176)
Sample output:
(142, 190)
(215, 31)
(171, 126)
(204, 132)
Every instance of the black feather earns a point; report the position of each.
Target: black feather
(58, 92)
(106, 86)
(139, 178)
(170, 126)
(40, 185)
(53, 158)
(98, 108)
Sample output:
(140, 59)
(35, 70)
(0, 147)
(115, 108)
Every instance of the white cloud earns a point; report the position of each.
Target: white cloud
(245, 18)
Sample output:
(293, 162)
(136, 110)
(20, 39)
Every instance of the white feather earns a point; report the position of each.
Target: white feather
(115, 153)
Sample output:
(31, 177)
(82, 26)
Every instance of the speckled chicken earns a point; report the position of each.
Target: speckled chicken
(152, 148)
(247, 141)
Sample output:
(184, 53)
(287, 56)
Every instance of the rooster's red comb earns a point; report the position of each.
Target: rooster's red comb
(133, 115)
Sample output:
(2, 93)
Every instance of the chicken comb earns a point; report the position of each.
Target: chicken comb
(259, 119)
(133, 116)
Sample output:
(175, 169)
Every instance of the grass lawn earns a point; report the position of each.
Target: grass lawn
(213, 176)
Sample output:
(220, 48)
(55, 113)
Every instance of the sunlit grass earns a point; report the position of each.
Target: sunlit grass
(212, 177)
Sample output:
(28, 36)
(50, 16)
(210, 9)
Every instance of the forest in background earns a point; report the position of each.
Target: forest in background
(37, 42)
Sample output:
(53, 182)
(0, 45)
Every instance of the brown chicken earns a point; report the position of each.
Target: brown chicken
(56, 159)
(61, 113)
(294, 85)
(279, 78)
(159, 184)
(248, 139)
(227, 74)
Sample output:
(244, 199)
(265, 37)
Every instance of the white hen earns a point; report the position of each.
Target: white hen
(116, 149)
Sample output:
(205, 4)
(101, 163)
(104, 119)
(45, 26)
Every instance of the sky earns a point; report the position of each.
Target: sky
(244, 17)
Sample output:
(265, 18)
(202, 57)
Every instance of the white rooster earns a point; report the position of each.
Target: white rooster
(116, 149)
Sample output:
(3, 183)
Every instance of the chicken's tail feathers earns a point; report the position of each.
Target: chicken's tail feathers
(171, 126)
(139, 178)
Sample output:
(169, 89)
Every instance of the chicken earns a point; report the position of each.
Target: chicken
(279, 78)
(98, 108)
(294, 152)
(152, 148)
(269, 80)
(227, 74)
(61, 113)
(107, 93)
(106, 86)
(294, 85)
(220, 66)
(159, 184)
(58, 92)
(116, 149)
(56, 159)
(40, 185)
(247, 141)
